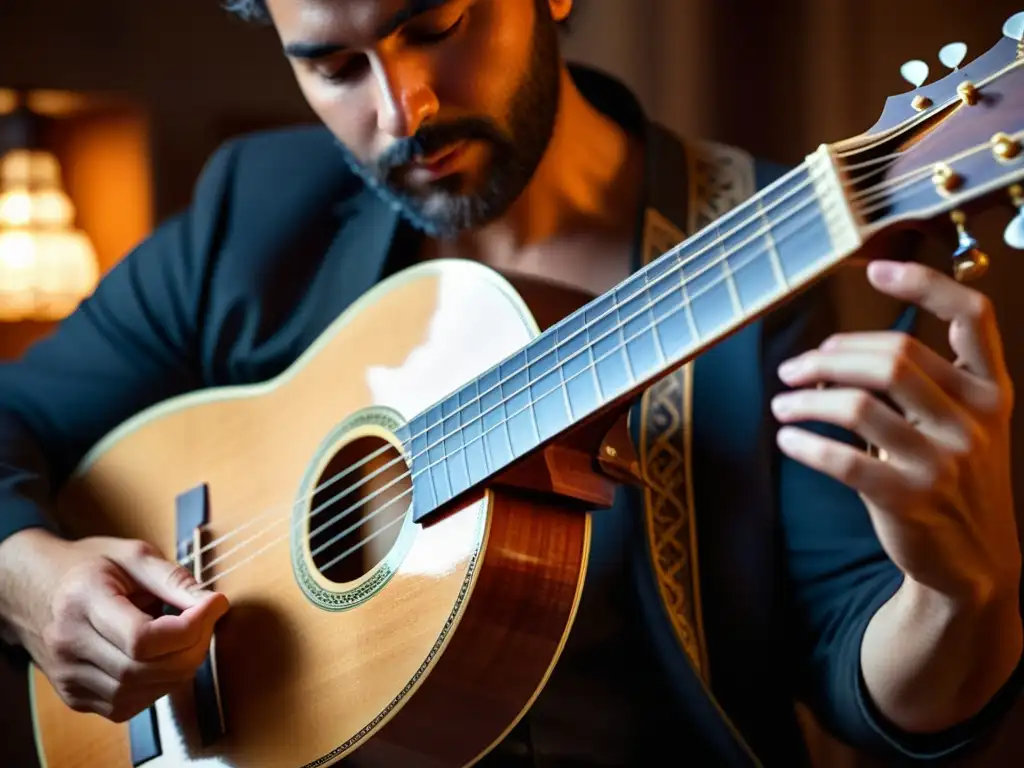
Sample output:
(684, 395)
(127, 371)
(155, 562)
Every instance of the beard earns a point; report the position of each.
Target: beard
(515, 151)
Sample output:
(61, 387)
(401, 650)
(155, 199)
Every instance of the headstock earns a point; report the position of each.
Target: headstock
(948, 148)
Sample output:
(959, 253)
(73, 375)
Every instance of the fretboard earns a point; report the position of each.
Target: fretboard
(657, 319)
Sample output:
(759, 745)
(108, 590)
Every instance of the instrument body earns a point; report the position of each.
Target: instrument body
(433, 667)
(426, 647)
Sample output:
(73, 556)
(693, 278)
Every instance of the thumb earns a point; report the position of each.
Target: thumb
(167, 580)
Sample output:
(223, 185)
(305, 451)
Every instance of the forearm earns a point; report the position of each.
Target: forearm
(929, 664)
(21, 577)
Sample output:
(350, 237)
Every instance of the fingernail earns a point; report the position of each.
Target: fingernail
(781, 405)
(787, 437)
(884, 272)
(789, 368)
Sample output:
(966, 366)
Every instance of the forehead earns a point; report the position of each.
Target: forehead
(360, 19)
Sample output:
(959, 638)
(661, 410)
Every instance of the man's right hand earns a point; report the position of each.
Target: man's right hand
(88, 612)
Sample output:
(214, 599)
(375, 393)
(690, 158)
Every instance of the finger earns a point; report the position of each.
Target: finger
(973, 334)
(87, 681)
(974, 392)
(860, 413)
(165, 670)
(173, 634)
(117, 619)
(857, 469)
(90, 689)
(169, 581)
(898, 377)
(142, 637)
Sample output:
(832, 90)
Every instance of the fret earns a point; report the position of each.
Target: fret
(734, 267)
(515, 389)
(436, 454)
(622, 335)
(639, 330)
(475, 451)
(565, 391)
(799, 228)
(773, 253)
(495, 435)
(424, 496)
(746, 242)
(592, 363)
(609, 358)
(575, 361)
(670, 309)
(704, 285)
(730, 281)
(455, 461)
(551, 409)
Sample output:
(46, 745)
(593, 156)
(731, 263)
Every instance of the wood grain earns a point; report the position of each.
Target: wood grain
(435, 665)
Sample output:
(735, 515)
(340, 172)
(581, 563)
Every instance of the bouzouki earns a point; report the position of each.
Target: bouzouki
(400, 519)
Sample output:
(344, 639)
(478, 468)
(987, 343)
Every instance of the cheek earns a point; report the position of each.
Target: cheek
(495, 51)
(348, 113)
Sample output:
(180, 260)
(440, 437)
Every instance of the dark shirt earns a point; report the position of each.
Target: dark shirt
(280, 239)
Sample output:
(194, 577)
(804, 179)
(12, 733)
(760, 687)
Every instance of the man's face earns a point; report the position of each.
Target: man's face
(445, 107)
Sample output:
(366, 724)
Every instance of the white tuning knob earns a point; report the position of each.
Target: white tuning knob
(1014, 233)
(952, 55)
(915, 72)
(1014, 27)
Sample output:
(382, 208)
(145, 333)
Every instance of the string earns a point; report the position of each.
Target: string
(363, 501)
(871, 162)
(384, 448)
(866, 194)
(927, 114)
(585, 328)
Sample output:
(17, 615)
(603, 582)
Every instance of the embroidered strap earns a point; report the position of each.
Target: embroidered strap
(718, 178)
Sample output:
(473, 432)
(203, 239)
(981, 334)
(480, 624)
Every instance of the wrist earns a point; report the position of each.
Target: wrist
(28, 567)
(985, 601)
(976, 639)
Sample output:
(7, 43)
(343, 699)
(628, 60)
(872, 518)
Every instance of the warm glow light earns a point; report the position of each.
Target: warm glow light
(46, 266)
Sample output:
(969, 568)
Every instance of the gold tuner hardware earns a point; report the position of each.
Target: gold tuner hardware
(969, 93)
(969, 262)
(1005, 147)
(945, 179)
(921, 103)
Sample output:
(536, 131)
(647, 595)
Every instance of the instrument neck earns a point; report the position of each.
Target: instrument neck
(663, 315)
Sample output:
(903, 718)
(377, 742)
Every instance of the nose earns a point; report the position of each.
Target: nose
(406, 98)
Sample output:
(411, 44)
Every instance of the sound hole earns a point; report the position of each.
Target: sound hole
(356, 515)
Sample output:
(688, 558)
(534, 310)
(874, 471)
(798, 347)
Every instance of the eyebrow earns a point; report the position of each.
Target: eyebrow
(411, 9)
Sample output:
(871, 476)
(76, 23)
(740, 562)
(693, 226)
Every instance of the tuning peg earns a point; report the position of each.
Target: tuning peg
(915, 72)
(1014, 233)
(952, 55)
(969, 262)
(1014, 27)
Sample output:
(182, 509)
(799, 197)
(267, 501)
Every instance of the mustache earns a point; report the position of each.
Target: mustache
(435, 137)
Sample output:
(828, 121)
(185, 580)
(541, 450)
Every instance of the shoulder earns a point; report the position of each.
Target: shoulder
(274, 172)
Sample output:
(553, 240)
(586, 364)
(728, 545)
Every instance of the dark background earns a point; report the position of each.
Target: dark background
(777, 78)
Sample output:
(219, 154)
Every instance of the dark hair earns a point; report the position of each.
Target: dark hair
(250, 10)
(256, 10)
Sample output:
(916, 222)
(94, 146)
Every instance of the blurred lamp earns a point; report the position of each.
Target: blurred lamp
(46, 265)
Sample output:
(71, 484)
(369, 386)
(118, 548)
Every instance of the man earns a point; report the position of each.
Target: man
(452, 128)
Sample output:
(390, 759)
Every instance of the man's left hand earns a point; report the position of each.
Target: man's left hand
(940, 497)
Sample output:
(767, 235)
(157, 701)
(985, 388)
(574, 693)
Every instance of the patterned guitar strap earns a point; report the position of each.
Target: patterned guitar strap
(717, 179)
